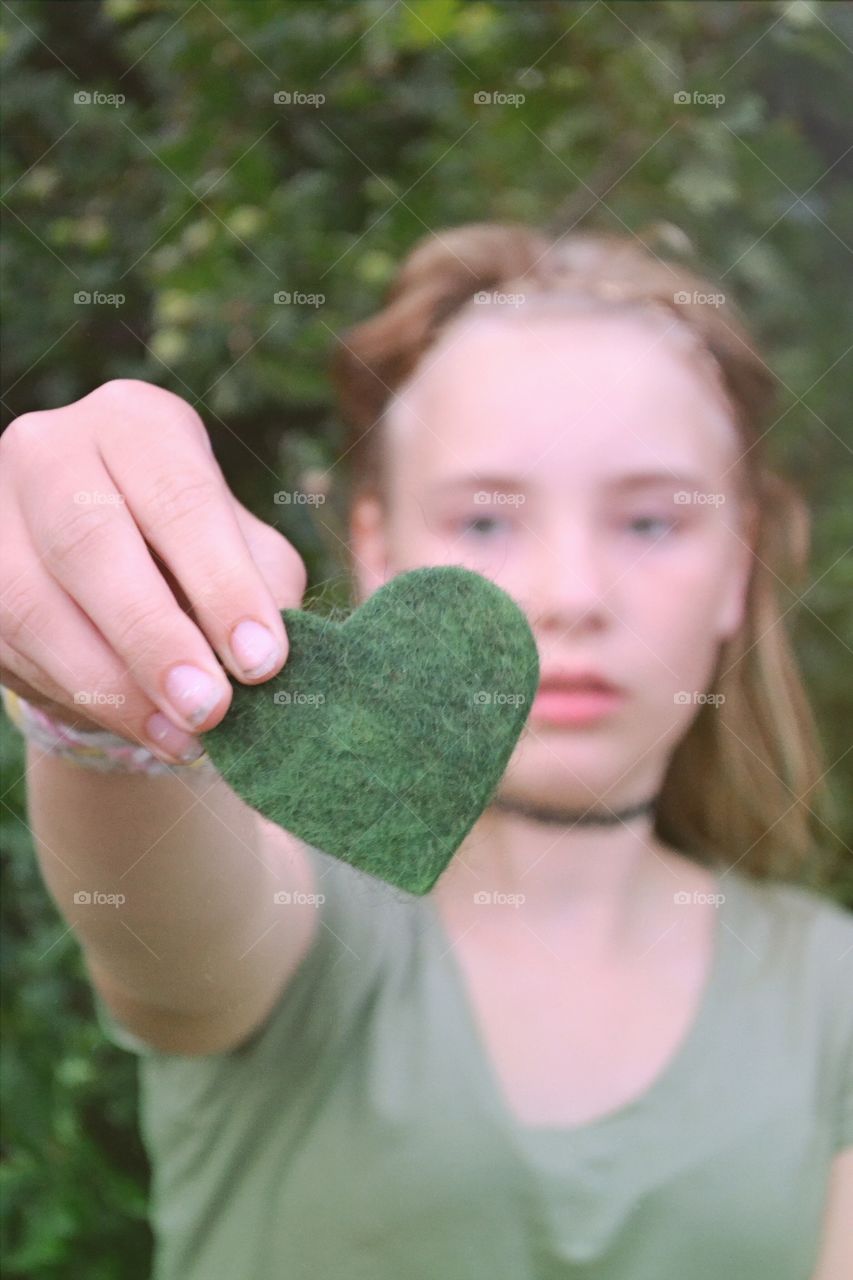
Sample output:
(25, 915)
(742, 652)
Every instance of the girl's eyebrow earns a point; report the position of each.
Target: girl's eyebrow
(645, 479)
(619, 483)
(509, 484)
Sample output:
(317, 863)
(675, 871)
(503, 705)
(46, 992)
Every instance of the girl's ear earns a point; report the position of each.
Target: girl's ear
(368, 545)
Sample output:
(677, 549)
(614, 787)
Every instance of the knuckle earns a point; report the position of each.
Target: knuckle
(103, 696)
(220, 592)
(136, 621)
(23, 431)
(128, 394)
(126, 390)
(119, 396)
(24, 677)
(75, 531)
(177, 498)
(24, 614)
(216, 578)
(221, 588)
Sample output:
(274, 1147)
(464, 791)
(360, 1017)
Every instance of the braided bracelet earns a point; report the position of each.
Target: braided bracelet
(90, 748)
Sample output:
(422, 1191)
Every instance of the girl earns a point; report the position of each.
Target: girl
(615, 1041)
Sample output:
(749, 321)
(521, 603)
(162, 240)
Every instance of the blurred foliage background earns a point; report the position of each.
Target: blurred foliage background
(148, 164)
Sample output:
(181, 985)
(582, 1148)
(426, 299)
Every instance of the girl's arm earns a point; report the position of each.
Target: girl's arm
(169, 884)
(131, 577)
(836, 1255)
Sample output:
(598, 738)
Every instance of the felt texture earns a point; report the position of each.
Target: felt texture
(384, 736)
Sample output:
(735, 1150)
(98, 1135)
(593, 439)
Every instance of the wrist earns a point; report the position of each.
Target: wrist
(79, 741)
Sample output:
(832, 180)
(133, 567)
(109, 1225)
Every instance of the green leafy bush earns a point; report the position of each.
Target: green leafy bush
(200, 197)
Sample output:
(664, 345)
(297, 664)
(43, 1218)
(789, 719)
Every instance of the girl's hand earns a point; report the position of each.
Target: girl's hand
(130, 568)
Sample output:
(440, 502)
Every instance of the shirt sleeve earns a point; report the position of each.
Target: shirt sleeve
(363, 928)
(845, 962)
(846, 1122)
(836, 949)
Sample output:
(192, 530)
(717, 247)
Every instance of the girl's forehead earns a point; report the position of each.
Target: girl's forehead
(562, 394)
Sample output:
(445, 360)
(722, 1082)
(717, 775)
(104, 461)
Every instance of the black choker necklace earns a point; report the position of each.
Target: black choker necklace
(565, 818)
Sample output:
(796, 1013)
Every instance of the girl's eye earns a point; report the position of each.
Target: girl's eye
(468, 524)
(652, 525)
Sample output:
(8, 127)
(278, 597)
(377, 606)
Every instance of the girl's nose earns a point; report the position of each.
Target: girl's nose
(566, 582)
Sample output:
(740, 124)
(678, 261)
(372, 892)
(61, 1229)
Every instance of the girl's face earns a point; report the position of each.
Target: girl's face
(585, 465)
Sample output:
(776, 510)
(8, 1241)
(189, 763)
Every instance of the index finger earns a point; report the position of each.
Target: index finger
(178, 498)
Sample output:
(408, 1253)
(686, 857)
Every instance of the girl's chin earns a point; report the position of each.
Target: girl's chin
(553, 752)
(570, 777)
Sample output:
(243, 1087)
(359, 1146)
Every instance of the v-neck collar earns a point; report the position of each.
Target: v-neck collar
(678, 1065)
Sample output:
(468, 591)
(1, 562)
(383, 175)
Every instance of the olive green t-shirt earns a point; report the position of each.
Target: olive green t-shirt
(361, 1133)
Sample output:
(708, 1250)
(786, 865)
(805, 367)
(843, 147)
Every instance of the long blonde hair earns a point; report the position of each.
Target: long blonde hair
(745, 784)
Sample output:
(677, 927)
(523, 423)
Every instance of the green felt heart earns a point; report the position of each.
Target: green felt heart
(384, 736)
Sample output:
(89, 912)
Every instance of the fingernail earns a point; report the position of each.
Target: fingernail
(255, 648)
(192, 692)
(171, 740)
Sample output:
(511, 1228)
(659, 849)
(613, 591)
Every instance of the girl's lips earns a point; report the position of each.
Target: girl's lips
(566, 706)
